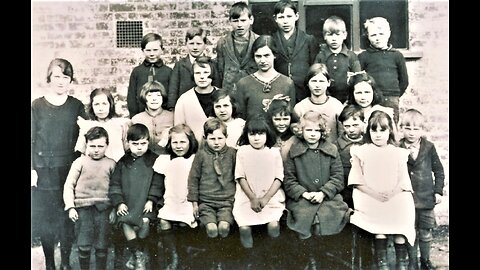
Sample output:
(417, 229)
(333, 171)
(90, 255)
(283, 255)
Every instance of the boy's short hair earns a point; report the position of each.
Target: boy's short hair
(378, 22)
(196, 31)
(238, 9)
(137, 132)
(351, 111)
(64, 65)
(149, 38)
(96, 133)
(281, 5)
(412, 117)
(213, 124)
(334, 24)
(153, 86)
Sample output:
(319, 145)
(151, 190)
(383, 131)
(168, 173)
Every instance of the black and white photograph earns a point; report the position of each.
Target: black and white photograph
(240, 134)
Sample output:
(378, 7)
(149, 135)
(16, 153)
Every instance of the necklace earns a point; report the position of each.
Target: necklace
(267, 86)
(318, 103)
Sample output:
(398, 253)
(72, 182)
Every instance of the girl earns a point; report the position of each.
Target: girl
(313, 181)
(195, 106)
(175, 166)
(258, 199)
(102, 113)
(157, 120)
(256, 90)
(225, 109)
(318, 80)
(382, 191)
(283, 120)
(54, 133)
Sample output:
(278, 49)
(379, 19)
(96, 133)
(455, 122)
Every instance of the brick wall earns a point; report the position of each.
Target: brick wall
(85, 34)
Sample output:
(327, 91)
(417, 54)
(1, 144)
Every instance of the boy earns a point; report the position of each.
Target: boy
(181, 79)
(234, 50)
(85, 197)
(338, 58)
(296, 50)
(353, 123)
(384, 63)
(135, 190)
(427, 189)
(152, 69)
(211, 184)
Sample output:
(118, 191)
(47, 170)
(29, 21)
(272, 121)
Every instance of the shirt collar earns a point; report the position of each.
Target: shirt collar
(157, 64)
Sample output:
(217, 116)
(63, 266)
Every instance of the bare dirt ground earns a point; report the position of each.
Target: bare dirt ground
(439, 254)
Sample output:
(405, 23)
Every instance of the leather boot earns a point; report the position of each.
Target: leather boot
(381, 254)
(101, 259)
(84, 262)
(402, 256)
(413, 256)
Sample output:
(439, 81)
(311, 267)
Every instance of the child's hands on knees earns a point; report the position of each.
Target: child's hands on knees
(438, 198)
(148, 207)
(122, 210)
(72, 214)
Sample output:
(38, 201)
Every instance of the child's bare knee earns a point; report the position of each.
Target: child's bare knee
(165, 225)
(212, 230)
(425, 235)
(223, 228)
(274, 229)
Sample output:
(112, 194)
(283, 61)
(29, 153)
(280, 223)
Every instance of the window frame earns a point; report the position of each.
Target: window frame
(355, 24)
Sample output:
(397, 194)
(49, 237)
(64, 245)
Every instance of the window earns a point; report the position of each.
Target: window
(129, 34)
(313, 14)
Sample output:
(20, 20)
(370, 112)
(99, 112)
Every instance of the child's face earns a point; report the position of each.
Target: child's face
(286, 20)
(223, 109)
(318, 85)
(138, 147)
(412, 133)
(335, 39)
(257, 140)
(154, 100)
(312, 134)
(201, 76)
(378, 37)
(217, 140)
(153, 51)
(264, 58)
(281, 122)
(59, 81)
(363, 94)
(96, 148)
(353, 127)
(195, 46)
(241, 25)
(180, 143)
(101, 106)
(379, 136)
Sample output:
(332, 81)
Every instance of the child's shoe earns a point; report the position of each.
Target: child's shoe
(140, 261)
(131, 262)
(426, 265)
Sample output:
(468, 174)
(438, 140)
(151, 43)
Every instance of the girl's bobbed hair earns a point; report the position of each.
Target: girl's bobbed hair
(257, 124)
(193, 143)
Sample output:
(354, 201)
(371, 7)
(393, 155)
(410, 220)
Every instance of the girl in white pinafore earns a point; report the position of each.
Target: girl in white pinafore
(259, 198)
(382, 191)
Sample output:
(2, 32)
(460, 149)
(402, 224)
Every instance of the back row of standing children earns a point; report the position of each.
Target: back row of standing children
(247, 67)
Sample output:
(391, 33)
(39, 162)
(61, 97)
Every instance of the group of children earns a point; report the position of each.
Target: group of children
(277, 131)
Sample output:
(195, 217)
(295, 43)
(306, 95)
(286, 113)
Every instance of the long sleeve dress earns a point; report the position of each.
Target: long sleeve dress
(259, 168)
(382, 169)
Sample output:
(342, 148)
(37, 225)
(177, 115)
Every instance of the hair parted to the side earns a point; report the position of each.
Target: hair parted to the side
(351, 111)
(412, 117)
(238, 9)
(153, 86)
(149, 38)
(185, 129)
(222, 93)
(213, 124)
(316, 118)
(314, 70)
(64, 65)
(257, 124)
(196, 31)
(380, 119)
(281, 5)
(204, 61)
(111, 100)
(334, 24)
(96, 133)
(137, 132)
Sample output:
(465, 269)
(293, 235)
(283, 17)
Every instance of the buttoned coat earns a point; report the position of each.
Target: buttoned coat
(314, 170)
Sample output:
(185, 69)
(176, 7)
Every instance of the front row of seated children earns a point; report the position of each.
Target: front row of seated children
(218, 186)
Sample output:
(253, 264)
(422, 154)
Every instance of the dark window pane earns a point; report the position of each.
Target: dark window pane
(396, 13)
(263, 23)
